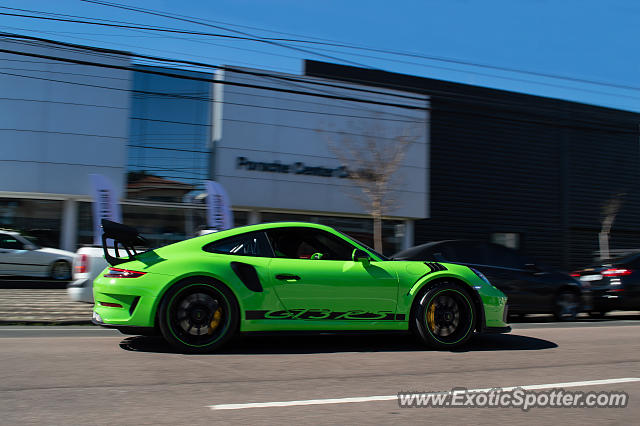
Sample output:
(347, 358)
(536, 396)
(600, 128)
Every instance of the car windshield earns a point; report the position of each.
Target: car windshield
(381, 256)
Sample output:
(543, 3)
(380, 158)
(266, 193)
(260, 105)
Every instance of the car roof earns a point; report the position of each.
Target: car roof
(262, 227)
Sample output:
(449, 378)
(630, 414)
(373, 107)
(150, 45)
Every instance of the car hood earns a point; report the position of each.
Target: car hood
(57, 252)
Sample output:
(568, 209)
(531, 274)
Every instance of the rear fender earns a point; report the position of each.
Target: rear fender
(207, 277)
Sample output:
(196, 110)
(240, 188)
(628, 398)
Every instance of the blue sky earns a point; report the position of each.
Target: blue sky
(577, 39)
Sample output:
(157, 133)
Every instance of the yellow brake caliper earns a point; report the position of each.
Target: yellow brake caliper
(215, 322)
(431, 317)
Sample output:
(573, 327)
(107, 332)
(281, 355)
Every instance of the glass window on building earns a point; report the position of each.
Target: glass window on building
(85, 224)
(169, 137)
(240, 218)
(39, 220)
(507, 239)
(359, 228)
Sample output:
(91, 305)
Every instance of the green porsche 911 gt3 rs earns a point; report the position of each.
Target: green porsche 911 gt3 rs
(290, 276)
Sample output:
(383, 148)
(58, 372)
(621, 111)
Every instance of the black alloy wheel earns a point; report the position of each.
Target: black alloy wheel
(444, 316)
(61, 270)
(198, 317)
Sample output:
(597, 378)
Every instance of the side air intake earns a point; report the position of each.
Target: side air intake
(435, 266)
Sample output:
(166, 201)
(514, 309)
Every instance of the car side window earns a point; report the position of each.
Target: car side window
(251, 244)
(505, 257)
(302, 243)
(9, 242)
(468, 252)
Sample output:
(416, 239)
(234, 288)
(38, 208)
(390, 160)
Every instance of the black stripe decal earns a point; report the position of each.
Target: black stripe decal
(324, 314)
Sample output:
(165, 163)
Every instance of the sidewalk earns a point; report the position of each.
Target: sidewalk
(51, 306)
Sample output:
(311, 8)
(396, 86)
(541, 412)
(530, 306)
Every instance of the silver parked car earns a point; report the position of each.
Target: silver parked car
(21, 256)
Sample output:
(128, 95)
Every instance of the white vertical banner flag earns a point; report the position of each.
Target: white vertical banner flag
(219, 215)
(105, 204)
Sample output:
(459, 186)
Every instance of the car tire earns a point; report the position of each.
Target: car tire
(198, 315)
(567, 306)
(60, 270)
(597, 314)
(444, 316)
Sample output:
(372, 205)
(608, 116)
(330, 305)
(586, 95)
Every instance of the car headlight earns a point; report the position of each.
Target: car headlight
(481, 276)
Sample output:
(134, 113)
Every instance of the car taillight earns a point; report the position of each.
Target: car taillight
(123, 273)
(616, 272)
(81, 266)
(575, 274)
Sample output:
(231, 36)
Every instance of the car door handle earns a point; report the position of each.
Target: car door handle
(287, 277)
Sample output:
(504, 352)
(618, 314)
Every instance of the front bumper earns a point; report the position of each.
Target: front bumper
(494, 304)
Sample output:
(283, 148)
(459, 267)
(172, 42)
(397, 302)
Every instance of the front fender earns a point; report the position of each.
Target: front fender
(490, 301)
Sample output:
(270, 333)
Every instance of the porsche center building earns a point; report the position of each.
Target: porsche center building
(284, 147)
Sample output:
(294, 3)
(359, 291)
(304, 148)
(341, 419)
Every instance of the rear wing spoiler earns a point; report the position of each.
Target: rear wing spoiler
(122, 235)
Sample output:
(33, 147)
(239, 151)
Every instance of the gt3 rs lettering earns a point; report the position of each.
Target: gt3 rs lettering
(324, 314)
(298, 314)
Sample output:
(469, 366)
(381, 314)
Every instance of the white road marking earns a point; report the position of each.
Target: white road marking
(395, 397)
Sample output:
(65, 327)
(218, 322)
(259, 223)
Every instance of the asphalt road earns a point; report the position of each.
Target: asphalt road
(85, 375)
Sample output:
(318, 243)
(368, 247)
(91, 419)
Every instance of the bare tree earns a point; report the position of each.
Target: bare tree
(372, 161)
(609, 212)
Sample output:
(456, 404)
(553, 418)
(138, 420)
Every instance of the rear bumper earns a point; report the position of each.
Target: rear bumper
(128, 302)
(609, 300)
(80, 291)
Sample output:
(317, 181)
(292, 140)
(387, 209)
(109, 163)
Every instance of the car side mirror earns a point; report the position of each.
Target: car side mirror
(316, 256)
(360, 256)
(29, 247)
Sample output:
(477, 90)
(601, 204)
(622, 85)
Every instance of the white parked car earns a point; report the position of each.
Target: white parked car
(87, 264)
(20, 256)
